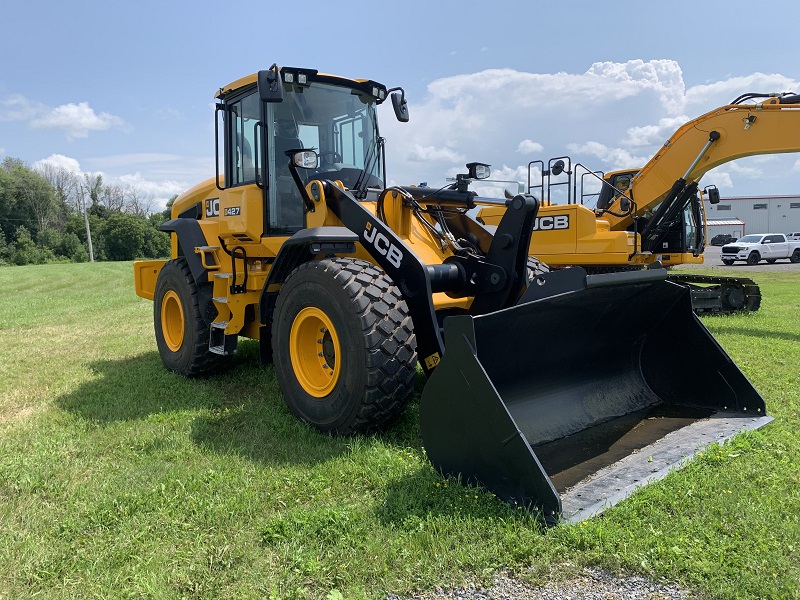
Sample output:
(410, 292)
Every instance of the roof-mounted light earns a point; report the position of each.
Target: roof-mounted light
(302, 78)
(288, 77)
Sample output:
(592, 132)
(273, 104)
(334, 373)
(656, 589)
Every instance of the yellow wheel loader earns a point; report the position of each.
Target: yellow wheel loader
(535, 380)
(655, 214)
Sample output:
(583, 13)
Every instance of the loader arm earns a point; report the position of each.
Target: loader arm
(493, 280)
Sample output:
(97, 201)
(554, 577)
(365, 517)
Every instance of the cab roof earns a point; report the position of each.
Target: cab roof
(365, 85)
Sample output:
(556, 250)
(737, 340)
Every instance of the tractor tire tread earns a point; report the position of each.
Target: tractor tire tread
(203, 362)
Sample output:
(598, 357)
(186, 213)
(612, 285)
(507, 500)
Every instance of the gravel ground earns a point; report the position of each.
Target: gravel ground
(592, 584)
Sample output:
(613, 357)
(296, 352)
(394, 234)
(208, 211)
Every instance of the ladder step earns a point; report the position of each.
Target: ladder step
(221, 299)
(223, 275)
(208, 248)
(219, 343)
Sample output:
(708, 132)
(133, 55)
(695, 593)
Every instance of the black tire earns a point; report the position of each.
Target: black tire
(181, 332)
(771, 261)
(727, 261)
(795, 257)
(359, 374)
(753, 258)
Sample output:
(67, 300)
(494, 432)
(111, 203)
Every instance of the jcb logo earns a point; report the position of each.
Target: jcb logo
(554, 222)
(212, 207)
(382, 244)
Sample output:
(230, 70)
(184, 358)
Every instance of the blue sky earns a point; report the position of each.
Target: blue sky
(126, 88)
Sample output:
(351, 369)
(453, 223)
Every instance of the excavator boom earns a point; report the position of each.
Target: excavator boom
(655, 214)
(725, 134)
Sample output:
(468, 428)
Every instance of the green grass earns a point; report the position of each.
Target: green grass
(118, 479)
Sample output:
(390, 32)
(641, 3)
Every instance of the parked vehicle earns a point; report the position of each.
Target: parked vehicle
(792, 236)
(755, 247)
(721, 239)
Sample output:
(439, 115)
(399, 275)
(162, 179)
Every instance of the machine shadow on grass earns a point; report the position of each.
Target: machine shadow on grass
(238, 411)
(761, 333)
(425, 495)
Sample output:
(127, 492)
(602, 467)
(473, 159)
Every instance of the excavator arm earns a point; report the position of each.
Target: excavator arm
(720, 136)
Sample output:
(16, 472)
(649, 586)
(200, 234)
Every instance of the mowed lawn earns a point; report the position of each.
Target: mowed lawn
(119, 479)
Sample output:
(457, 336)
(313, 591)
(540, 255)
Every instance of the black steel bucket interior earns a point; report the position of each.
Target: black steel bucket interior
(567, 384)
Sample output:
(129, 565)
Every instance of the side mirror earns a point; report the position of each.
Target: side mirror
(270, 86)
(713, 194)
(307, 159)
(557, 168)
(400, 106)
(624, 204)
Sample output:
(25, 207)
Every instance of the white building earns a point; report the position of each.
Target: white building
(739, 216)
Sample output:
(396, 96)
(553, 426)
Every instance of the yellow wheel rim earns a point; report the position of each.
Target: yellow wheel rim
(315, 352)
(172, 320)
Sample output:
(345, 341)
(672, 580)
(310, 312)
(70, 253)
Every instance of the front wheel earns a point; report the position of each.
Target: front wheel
(181, 332)
(343, 346)
(753, 258)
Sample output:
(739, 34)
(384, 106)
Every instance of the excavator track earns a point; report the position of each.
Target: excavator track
(710, 295)
(721, 295)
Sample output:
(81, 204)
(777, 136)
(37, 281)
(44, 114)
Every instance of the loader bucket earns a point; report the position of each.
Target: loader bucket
(589, 387)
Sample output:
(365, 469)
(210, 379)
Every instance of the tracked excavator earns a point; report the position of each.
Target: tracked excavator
(548, 389)
(656, 213)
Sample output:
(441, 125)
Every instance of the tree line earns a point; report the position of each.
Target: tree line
(51, 214)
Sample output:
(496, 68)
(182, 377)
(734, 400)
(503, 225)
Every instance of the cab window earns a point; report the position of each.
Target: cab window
(244, 116)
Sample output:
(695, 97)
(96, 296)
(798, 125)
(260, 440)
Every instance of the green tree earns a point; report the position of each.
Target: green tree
(26, 252)
(72, 248)
(156, 244)
(124, 236)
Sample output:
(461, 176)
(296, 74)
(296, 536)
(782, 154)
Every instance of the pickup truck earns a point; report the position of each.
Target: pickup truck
(755, 247)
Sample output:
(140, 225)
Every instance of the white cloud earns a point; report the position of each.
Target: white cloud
(722, 92)
(161, 190)
(662, 76)
(721, 179)
(749, 172)
(529, 147)
(75, 119)
(432, 153)
(616, 158)
(649, 135)
(18, 108)
(612, 116)
(60, 161)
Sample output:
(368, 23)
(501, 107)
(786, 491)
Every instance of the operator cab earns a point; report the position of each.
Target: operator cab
(268, 117)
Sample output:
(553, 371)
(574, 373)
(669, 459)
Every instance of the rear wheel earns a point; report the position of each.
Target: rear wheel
(181, 332)
(795, 257)
(727, 261)
(753, 258)
(343, 346)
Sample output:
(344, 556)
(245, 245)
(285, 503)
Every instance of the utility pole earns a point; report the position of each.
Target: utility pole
(82, 191)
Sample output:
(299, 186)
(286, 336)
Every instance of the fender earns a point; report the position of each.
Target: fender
(302, 247)
(190, 236)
